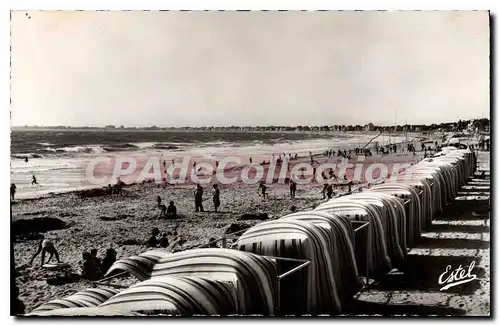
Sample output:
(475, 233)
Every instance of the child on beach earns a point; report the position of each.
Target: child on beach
(216, 197)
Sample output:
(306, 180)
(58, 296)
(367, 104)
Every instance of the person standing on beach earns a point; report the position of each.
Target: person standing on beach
(250, 159)
(12, 191)
(89, 268)
(171, 210)
(198, 198)
(293, 188)
(33, 180)
(216, 197)
(329, 190)
(108, 260)
(262, 189)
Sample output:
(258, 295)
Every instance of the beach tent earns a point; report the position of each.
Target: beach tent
(313, 290)
(88, 298)
(341, 234)
(406, 192)
(176, 295)
(254, 277)
(372, 249)
(392, 223)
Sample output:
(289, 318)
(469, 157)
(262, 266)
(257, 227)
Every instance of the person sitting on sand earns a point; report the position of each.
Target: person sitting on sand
(216, 196)
(293, 209)
(12, 191)
(163, 210)
(33, 180)
(108, 260)
(46, 246)
(171, 210)
(89, 268)
(153, 241)
(164, 240)
(97, 260)
(262, 189)
(293, 189)
(158, 200)
(198, 198)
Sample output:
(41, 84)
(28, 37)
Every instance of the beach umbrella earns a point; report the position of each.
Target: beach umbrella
(341, 234)
(254, 277)
(176, 295)
(312, 290)
(88, 298)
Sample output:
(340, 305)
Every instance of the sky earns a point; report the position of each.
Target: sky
(248, 68)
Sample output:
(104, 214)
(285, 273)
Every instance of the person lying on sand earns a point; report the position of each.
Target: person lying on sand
(108, 260)
(46, 246)
(12, 191)
(89, 269)
(171, 210)
(153, 241)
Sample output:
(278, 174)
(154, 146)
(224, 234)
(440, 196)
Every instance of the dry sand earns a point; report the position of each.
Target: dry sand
(136, 214)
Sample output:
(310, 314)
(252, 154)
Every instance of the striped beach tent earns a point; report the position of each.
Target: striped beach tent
(312, 290)
(391, 222)
(414, 213)
(341, 234)
(91, 297)
(436, 189)
(176, 295)
(374, 253)
(255, 277)
(83, 312)
(424, 186)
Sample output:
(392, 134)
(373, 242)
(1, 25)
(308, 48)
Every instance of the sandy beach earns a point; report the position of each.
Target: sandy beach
(113, 220)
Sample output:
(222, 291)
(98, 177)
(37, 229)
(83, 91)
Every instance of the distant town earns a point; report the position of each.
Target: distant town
(473, 125)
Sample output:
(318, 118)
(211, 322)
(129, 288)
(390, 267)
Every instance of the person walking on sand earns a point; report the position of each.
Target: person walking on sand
(198, 198)
(262, 190)
(12, 190)
(293, 188)
(216, 196)
(33, 180)
(46, 246)
(329, 190)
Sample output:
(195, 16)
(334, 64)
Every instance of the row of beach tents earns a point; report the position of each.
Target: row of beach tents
(310, 262)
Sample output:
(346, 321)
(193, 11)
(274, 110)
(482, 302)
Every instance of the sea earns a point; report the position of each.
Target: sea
(58, 158)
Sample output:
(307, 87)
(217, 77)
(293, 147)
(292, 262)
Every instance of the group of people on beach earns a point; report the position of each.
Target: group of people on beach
(162, 241)
(93, 267)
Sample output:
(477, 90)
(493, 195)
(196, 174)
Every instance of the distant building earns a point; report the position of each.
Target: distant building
(369, 127)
